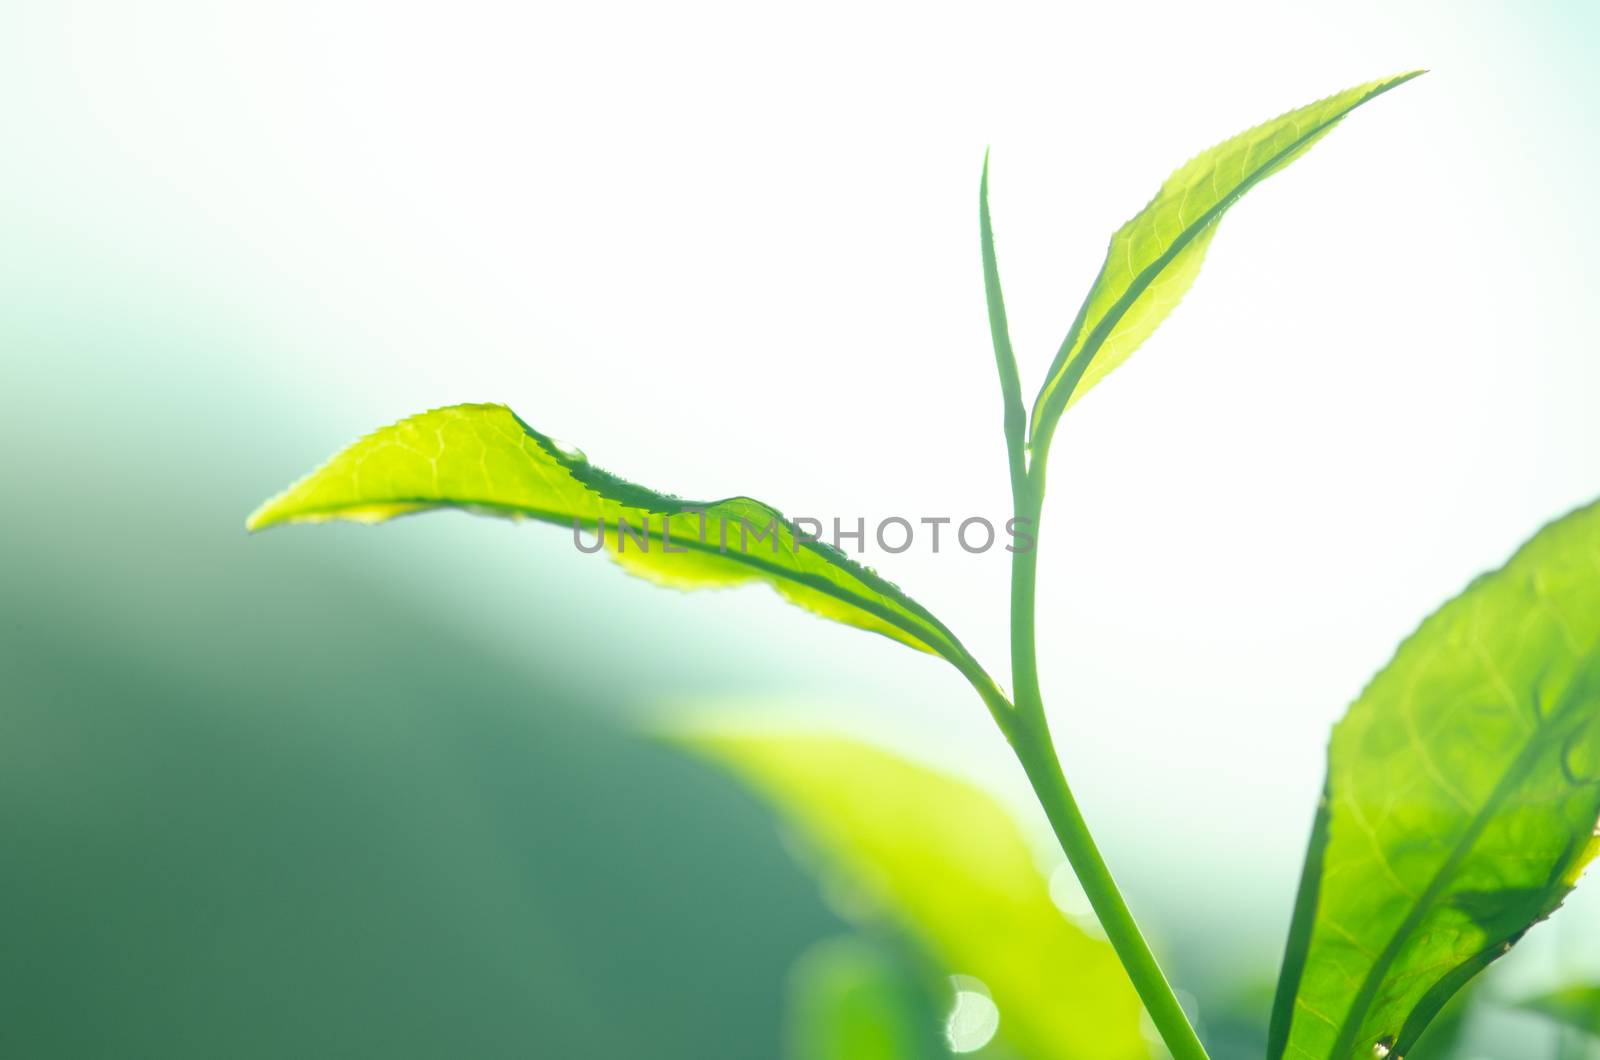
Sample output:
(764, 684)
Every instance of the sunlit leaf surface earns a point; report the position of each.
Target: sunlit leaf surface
(1462, 797)
(484, 459)
(1155, 257)
(950, 867)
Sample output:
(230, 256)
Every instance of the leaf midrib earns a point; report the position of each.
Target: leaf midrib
(1072, 371)
(1515, 774)
(952, 650)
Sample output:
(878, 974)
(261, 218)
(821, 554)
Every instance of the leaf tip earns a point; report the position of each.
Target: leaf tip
(1399, 79)
(263, 518)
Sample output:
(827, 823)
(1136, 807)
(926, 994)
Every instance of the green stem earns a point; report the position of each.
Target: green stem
(1024, 722)
(1024, 577)
(1038, 759)
(1029, 733)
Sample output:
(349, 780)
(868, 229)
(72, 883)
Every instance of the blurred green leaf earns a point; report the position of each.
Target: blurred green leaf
(1576, 1006)
(483, 459)
(946, 863)
(1463, 790)
(852, 999)
(1155, 257)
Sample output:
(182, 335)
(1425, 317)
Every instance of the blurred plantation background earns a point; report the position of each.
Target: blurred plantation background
(269, 796)
(256, 806)
(349, 792)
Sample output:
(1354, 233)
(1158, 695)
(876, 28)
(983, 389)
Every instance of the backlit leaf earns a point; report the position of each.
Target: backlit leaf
(484, 459)
(943, 861)
(1461, 803)
(1155, 257)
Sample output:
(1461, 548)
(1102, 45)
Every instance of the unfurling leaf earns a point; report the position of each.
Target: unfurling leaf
(942, 861)
(1461, 803)
(484, 459)
(1154, 258)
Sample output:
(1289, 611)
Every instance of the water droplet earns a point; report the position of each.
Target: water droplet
(973, 1018)
(1383, 1047)
(570, 451)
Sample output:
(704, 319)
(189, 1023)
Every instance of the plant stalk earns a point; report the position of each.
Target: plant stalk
(1029, 734)
(1023, 722)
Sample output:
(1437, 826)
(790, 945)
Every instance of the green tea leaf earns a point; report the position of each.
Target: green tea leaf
(1155, 257)
(851, 999)
(484, 459)
(944, 862)
(1575, 1006)
(1461, 804)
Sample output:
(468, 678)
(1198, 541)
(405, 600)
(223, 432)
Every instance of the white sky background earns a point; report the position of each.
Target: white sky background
(734, 250)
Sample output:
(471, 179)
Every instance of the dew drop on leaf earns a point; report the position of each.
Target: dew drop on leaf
(1382, 1048)
(570, 451)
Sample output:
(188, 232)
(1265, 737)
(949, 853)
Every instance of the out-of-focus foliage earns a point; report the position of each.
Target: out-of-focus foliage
(256, 802)
(1462, 794)
(1576, 1006)
(951, 868)
(851, 998)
